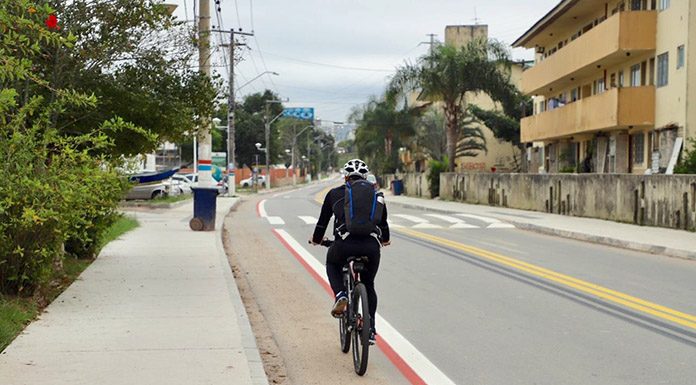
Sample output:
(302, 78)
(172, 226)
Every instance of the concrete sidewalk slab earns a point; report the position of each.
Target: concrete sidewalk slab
(655, 240)
(159, 306)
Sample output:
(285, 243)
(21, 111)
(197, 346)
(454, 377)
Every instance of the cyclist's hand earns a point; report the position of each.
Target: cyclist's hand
(387, 243)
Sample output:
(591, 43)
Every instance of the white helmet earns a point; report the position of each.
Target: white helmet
(356, 167)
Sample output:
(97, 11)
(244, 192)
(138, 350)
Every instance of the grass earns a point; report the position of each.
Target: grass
(17, 312)
(173, 199)
(120, 227)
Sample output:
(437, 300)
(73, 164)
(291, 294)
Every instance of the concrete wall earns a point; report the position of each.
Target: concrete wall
(656, 200)
(415, 184)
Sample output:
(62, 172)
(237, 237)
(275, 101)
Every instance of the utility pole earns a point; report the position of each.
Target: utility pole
(431, 42)
(205, 177)
(231, 131)
(267, 138)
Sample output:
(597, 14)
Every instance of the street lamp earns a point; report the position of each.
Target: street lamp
(294, 142)
(267, 134)
(256, 77)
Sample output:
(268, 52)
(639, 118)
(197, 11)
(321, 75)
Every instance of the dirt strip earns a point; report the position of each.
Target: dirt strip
(288, 311)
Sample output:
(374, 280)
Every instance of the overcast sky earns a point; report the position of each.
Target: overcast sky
(334, 54)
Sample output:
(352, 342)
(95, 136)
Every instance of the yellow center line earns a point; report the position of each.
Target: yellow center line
(634, 303)
(319, 197)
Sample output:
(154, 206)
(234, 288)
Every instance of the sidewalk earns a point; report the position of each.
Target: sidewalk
(159, 306)
(656, 240)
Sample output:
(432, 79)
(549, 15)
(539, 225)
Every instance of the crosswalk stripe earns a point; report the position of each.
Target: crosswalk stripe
(275, 220)
(411, 218)
(463, 225)
(446, 218)
(394, 225)
(426, 225)
(458, 223)
(307, 219)
(500, 226)
(480, 218)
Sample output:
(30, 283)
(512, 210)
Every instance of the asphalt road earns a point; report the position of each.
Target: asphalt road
(485, 303)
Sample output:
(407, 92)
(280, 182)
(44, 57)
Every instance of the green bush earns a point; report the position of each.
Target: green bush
(687, 164)
(56, 193)
(436, 167)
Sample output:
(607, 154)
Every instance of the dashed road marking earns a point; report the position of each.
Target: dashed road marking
(275, 220)
(308, 220)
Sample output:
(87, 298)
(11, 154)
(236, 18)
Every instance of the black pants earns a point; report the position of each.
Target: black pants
(337, 256)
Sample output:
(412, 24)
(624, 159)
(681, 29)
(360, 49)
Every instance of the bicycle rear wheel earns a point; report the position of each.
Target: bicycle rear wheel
(361, 331)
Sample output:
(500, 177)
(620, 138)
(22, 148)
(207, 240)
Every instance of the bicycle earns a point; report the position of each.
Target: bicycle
(355, 324)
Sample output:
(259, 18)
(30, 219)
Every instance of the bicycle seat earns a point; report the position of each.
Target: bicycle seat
(358, 263)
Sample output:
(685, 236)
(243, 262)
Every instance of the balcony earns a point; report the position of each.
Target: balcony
(605, 45)
(618, 108)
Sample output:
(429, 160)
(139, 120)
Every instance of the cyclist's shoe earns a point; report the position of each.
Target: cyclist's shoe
(373, 337)
(340, 305)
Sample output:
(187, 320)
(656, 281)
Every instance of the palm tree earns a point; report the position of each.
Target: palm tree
(446, 75)
(381, 131)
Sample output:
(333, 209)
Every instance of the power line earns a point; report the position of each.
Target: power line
(329, 65)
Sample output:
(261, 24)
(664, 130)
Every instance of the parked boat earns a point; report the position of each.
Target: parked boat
(153, 176)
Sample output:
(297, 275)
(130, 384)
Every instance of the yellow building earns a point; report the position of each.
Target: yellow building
(611, 85)
(501, 155)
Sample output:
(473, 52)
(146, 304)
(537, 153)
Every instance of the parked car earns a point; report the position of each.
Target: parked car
(148, 191)
(260, 180)
(182, 183)
(221, 185)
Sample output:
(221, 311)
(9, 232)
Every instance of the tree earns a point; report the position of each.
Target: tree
(58, 194)
(381, 131)
(249, 123)
(505, 124)
(135, 59)
(447, 75)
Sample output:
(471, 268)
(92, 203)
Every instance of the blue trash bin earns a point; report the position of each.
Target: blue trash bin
(398, 187)
(204, 206)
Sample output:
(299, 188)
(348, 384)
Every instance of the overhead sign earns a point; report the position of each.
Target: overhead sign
(304, 113)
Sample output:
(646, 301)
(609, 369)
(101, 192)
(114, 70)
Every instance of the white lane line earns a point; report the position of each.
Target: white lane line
(275, 220)
(420, 223)
(262, 209)
(492, 222)
(264, 214)
(308, 220)
(419, 363)
(457, 223)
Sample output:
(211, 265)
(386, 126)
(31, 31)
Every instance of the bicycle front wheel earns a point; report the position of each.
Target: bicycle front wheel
(361, 328)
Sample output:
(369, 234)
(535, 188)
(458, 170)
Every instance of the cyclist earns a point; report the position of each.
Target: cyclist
(346, 245)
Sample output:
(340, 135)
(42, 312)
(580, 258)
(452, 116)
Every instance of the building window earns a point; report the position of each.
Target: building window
(574, 94)
(621, 78)
(663, 69)
(664, 4)
(635, 75)
(639, 148)
(680, 56)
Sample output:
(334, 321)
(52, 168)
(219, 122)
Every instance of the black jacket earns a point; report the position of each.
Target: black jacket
(333, 205)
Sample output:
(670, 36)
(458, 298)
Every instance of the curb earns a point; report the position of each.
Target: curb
(606, 241)
(154, 206)
(251, 350)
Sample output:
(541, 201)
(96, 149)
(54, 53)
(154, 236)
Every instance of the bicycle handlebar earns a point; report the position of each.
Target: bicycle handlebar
(324, 242)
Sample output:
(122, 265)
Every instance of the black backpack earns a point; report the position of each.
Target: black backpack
(361, 209)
